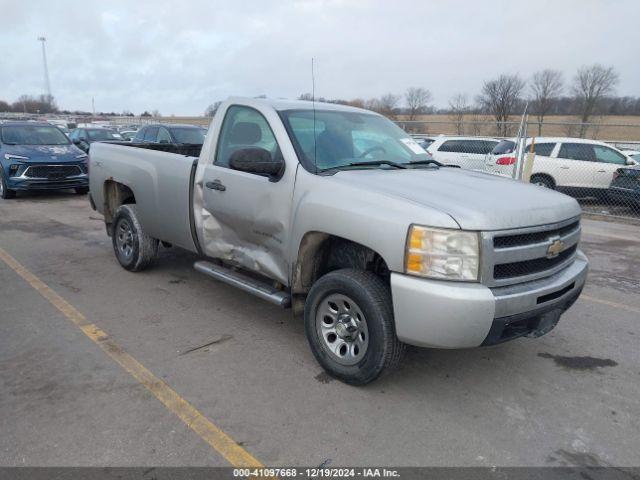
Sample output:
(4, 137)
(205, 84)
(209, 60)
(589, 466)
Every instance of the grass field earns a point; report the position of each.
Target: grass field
(604, 128)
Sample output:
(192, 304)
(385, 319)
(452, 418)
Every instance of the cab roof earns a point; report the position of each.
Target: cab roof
(284, 104)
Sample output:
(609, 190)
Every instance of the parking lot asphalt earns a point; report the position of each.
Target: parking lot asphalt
(571, 397)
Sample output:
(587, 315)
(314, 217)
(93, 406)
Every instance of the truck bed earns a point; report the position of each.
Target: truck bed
(191, 150)
(160, 176)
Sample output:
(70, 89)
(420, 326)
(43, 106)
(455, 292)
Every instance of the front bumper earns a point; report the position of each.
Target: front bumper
(25, 183)
(442, 314)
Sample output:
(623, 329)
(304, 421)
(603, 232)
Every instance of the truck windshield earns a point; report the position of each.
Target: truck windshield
(32, 135)
(343, 139)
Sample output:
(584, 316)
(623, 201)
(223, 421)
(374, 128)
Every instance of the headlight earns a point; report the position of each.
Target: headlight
(442, 254)
(10, 156)
(82, 156)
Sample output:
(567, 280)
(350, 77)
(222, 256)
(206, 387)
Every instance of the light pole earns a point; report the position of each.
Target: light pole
(46, 69)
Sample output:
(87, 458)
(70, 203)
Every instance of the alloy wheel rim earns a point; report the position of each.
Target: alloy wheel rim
(124, 238)
(342, 329)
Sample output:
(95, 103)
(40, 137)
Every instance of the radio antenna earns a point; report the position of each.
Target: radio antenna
(313, 103)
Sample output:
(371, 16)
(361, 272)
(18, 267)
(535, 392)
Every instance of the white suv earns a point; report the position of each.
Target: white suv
(574, 165)
(466, 152)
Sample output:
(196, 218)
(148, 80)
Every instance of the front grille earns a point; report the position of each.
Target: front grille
(522, 254)
(52, 171)
(528, 267)
(532, 237)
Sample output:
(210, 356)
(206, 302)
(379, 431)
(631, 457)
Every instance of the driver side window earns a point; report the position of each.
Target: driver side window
(244, 127)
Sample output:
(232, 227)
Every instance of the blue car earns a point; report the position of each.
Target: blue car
(625, 187)
(38, 156)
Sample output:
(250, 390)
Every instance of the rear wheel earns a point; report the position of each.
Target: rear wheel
(134, 249)
(5, 192)
(543, 181)
(350, 328)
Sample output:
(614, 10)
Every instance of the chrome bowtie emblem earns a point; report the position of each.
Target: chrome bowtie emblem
(555, 248)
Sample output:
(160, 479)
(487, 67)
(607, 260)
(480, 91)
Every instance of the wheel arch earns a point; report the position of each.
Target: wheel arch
(320, 253)
(544, 175)
(115, 194)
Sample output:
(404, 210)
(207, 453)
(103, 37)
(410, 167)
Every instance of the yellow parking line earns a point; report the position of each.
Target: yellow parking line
(196, 421)
(621, 306)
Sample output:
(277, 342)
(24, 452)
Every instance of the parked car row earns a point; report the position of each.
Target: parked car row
(47, 156)
(576, 166)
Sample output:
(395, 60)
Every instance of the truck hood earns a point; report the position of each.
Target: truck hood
(45, 153)
(475, 200)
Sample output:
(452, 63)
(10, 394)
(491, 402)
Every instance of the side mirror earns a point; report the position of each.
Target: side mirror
(631, 161)
(256, 160)
(76, 141)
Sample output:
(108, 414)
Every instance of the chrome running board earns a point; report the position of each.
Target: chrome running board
(244, 282)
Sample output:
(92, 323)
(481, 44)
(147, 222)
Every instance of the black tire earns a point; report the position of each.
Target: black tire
(5, 193)
(373, 297)
(543, 181)
(141, 249)
(82, 190)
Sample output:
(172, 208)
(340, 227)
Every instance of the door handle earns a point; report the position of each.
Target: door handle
(216, 185)
(564, 168)
(602, 171)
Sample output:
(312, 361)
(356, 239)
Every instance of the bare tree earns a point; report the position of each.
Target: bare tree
(459, 106)
(4, 106)
(500, 97)
(546, 86)
(417, 99)
(388, 104)
(356, 102)
(592, 84)
(212, 109)
(476, 121)
(385, 105)
(40, 104)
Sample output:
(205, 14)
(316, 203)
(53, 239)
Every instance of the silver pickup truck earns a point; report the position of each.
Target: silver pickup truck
(337, 213)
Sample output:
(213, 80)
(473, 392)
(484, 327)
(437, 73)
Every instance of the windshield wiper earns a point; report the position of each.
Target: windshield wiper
(375, 163)
(427, 162)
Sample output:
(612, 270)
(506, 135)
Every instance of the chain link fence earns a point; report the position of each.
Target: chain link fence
(595, 162)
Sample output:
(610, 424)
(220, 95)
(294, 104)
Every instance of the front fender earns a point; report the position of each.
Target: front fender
(377, 221)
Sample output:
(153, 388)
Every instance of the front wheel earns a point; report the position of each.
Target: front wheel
(134, 249)
(5, 192)
(350, 328)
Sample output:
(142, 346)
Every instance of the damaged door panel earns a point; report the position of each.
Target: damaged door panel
(245, 214)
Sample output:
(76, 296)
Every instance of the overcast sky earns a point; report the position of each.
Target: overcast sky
(180, 56)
